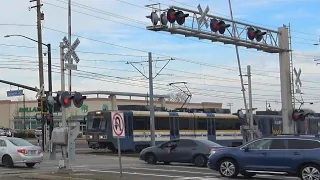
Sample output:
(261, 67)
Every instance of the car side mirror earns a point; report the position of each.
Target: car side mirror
(246, 149)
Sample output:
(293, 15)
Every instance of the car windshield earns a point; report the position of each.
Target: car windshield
(20, 142)
(210, 143)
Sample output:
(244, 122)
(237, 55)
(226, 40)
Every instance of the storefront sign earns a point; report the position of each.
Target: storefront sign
(28, 109)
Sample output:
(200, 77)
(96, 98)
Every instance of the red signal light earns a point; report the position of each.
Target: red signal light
(66, 101)
(171, 15)
(255, 34)
(220, 26)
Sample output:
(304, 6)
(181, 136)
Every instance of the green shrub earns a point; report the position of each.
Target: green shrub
(24, 135)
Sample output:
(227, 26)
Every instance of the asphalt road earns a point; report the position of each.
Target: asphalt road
(106, 166)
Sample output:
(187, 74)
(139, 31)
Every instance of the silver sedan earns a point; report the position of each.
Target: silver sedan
(19, 151)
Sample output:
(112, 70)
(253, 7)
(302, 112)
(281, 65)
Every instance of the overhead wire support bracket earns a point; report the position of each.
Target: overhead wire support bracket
(158, 73)
(187, 92)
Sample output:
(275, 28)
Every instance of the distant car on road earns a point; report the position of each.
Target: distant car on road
(294, 155)
(7, 132)
(3, 132)
(19, 151)
(38, 131)
(181, 151)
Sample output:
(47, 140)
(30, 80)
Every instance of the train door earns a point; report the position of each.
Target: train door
(174, 125)
(128, 142)
(211, 129)
(264, 125)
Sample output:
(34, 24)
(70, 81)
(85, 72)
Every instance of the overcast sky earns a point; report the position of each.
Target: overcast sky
(113, 32)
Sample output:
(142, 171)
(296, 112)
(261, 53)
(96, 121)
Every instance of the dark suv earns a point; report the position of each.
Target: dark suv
(294, 155)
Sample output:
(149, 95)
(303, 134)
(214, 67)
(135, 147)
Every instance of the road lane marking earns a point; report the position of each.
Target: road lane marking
(170, 170)
(141, 174)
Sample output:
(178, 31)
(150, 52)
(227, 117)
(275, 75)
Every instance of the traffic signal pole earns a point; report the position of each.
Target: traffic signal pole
(65, 160)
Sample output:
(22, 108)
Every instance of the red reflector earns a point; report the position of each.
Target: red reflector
(22, 151)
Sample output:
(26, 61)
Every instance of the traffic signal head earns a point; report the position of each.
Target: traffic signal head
(220, 26)
(78, 99)
(49, 118)
(65, 99)
(179, 16)
(163, 18)
(39, 104)
(154, 18)
(298, 115)
(255, 34)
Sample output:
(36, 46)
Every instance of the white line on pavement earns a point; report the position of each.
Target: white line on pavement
(171, 170)
(141, 174)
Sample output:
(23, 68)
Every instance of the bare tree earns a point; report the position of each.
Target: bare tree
(177, 97)
(307, 110)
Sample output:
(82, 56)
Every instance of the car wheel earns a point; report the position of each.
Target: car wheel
(151, 158)
(200, 161)
(228, 168)
(7, 161)
(30, 165)
(309, 171)
(248, 174)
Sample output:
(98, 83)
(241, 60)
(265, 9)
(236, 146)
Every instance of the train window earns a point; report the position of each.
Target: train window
(202, 124)
(184, 123)
(162, 123)
(140, 123)
(227, 124)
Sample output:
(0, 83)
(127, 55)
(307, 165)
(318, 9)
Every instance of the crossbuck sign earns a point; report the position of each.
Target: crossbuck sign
(71, 49)
(298, 81)
(203, 16)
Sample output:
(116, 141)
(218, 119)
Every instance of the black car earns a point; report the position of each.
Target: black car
(181, 151)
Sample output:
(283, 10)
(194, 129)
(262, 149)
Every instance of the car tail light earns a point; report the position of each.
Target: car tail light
(40, 151)
(22, 151)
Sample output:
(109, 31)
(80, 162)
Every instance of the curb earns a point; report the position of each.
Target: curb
(52, 177)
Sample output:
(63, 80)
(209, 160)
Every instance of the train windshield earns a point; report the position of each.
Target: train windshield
(96, 122)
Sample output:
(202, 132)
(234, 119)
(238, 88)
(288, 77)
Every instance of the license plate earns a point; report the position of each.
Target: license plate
(32, 152)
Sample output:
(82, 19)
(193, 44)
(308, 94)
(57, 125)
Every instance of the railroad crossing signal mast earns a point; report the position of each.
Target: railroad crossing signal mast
(219, 29)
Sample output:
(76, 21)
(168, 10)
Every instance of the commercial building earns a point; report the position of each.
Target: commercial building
(21, 115)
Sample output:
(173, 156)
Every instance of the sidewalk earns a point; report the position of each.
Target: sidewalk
(89, 175)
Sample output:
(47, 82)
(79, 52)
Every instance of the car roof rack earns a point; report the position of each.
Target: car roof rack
(299, 135)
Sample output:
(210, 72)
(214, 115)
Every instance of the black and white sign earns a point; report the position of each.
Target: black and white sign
(118, 125)
(202, 19)
(71, 50)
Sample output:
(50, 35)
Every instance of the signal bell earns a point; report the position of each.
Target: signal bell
(255, 34)
(220, 26)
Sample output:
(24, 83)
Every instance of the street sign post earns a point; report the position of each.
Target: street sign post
(70, 66)
(14, 93)
(118, 131)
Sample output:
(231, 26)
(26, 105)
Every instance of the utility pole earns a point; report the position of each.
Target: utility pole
(150, 78)
(230, 105)
(250, 102)
(39, 18)
(69, 38)
(152, 124)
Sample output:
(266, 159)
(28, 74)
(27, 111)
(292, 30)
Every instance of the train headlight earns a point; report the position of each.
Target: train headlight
(89, 136)
(102, 137)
